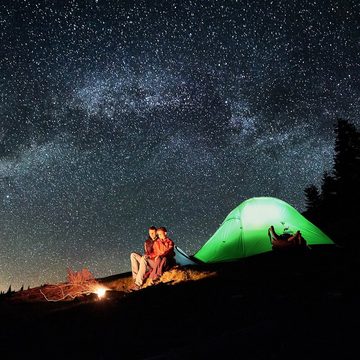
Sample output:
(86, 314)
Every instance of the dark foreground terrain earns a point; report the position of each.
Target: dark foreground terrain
(265, 307)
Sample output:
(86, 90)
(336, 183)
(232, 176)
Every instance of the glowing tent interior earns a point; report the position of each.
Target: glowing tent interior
(244, 232)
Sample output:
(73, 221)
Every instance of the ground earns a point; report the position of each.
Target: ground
(270, 306)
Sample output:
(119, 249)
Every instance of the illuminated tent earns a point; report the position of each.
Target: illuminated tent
(244, 231)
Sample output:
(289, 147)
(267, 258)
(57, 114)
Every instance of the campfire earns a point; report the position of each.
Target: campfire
(78, 284)
(100, 291)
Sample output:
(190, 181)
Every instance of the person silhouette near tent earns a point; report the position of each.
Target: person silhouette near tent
(286, 240)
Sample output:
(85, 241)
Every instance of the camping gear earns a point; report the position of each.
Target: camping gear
(244, 232)
(181, 258)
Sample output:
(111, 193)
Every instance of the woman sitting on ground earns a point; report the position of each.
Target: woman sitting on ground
(163, 252)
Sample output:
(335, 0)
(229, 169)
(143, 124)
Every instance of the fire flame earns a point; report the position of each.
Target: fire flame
(100, 291)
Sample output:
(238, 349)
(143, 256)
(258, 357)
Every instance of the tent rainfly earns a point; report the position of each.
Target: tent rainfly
(244, 232)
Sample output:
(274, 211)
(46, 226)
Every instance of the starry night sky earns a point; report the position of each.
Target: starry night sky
(119, 115)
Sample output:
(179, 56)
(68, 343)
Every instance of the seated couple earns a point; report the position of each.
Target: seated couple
(158, 257)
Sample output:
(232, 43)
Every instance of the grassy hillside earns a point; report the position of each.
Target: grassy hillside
(266, 307)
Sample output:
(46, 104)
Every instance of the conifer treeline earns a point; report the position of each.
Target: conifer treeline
(335, 206)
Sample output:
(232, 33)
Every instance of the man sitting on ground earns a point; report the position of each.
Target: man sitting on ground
(140, 264)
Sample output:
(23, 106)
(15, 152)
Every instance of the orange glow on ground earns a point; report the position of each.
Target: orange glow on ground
(101, 291)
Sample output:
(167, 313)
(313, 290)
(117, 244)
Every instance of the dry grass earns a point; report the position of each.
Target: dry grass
(180, 274)
(176, 275)
(80, 285)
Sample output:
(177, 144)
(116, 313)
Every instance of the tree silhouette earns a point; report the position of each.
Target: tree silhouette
(328, 196)
(347, 165)
(312, 201)
(332, 207)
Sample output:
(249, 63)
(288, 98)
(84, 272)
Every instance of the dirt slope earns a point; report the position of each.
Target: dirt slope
(265, 307)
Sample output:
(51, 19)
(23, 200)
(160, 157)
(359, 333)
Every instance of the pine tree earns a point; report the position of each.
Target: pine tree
(339, 192)
(312, 201)
(347, 165)
(329, 198)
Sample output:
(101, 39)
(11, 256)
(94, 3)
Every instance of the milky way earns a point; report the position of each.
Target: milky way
(119, 115)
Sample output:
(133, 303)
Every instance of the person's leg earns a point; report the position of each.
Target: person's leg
(145, 263)
(164, 265)
(301, 241)
(295, 239)
(156, 269)
(135, 263)
(272, 233)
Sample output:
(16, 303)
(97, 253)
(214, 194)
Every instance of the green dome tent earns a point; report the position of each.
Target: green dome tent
(244, 231)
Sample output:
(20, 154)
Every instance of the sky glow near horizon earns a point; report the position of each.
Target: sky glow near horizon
(119, 115)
